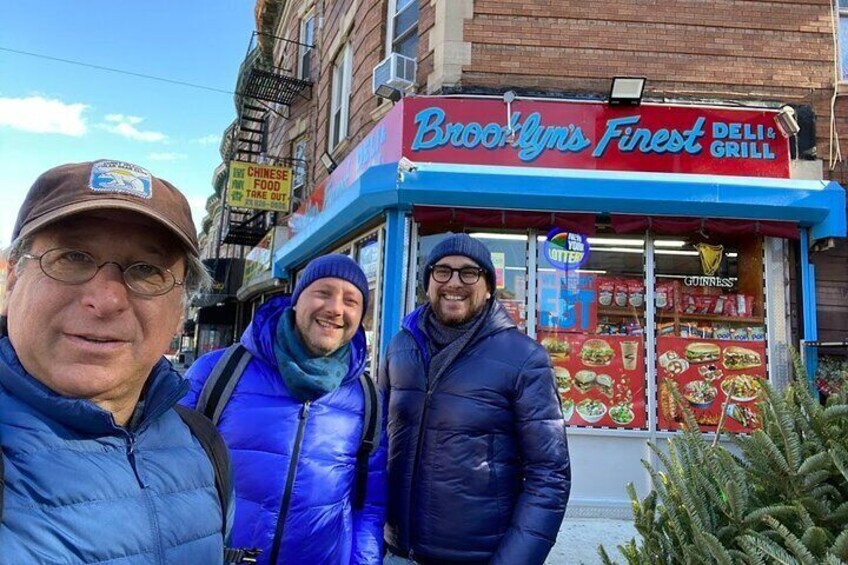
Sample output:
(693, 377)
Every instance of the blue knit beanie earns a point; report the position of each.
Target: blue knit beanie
(337, 266)
(465, 245)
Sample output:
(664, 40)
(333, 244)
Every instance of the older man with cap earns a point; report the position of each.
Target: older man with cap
(478, 461)
(97, 463)
(294, 406)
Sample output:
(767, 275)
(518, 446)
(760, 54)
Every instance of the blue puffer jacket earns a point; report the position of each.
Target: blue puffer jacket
(260, 425)
(80, 489)
(478, 461)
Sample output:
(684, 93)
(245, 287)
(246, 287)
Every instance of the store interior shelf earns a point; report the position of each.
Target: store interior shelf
(718, 318)
(631, 312)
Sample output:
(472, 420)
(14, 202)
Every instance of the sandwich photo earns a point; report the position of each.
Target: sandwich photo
(563, 379)
(557, 349)
(736, 357)
(604, 383)
(702, 352)
(596, 353)
(584, 380)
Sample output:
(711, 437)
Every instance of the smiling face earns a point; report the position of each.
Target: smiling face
(327, 315)
(96, 340)
(454, 302)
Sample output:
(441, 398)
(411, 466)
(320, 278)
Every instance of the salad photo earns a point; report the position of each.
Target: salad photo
(621, 414)
(591, 410)
(741, 388)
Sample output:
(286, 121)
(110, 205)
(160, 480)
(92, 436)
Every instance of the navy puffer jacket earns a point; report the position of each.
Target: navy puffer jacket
(260, 426)
(478, 461)
(80, 489)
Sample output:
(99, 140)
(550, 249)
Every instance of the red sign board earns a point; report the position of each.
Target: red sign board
(593, 135)
(719, 380)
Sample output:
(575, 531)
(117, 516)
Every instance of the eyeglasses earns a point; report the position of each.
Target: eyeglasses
(468, 275)
(76, 267)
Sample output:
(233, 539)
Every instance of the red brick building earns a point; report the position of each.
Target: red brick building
(306, 99)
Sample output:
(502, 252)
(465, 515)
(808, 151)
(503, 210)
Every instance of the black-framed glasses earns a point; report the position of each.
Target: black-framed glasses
(73, 266)
(467, 275)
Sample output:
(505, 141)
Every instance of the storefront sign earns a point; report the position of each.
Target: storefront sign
(259, 187)
(566, 250)
(586, 135)
(711, 256)
(567, 301)
(381, 145)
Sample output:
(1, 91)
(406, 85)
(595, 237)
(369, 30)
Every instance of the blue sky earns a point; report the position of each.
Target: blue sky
(53, 112)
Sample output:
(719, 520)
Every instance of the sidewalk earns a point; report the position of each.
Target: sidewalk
(579, 539)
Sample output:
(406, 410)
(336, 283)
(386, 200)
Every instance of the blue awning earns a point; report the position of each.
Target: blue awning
(817, 205)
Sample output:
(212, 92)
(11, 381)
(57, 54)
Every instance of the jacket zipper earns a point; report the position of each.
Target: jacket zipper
(416, 461)
(148, 502)
(284, 504)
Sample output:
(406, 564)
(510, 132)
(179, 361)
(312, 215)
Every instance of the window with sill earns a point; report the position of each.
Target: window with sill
(307, 41)
(340, 101)
(402, 28)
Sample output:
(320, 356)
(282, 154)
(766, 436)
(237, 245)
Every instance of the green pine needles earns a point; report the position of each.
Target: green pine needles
(784, 500)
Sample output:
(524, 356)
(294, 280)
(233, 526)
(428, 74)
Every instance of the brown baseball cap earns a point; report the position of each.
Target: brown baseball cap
(105, 185)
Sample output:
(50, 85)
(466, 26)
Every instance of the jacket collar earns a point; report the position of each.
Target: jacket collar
(498, 320)
(164, 388)
(259, 336)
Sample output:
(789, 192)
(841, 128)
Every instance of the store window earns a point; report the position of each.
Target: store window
(368, 257)
(340, 101)
(403, 27)
(509, 257)
(710, 331)
(307, 40)
(590, 318)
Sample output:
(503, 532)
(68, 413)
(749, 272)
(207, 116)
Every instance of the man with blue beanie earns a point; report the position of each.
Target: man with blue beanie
(478, 459)
(294, 416)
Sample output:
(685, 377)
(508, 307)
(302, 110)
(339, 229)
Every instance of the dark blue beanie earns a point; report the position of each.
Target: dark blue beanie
(335, 266)
(465, 245)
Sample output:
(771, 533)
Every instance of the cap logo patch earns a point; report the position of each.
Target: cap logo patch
(122, 177)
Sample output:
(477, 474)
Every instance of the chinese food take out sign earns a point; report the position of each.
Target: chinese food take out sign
(259, 187)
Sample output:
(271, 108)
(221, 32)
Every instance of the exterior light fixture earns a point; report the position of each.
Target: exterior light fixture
(626, 91)
(328, 162)
(787, 122)
(388, 92)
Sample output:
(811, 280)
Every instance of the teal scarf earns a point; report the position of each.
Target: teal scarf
(307, 377)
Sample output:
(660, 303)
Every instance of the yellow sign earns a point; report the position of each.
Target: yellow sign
(259, 187)
(710, 257)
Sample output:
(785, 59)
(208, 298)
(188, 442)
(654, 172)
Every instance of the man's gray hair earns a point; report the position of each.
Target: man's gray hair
(197, 278)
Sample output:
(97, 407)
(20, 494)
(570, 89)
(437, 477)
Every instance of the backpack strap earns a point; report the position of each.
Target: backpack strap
(370, 437)
(221, 382)
(215, 448)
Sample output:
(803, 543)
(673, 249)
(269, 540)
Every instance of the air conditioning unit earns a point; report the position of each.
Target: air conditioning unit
(396, 71)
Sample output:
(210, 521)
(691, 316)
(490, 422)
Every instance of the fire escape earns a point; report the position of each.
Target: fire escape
(262, 90)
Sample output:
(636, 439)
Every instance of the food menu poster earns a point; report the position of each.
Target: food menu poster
(714, 377)
(600, 379)
(567, 301)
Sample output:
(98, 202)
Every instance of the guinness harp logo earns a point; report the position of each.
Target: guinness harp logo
(710, 257)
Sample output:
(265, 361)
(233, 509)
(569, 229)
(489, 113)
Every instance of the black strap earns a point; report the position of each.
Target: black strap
(215, 448)
(370, 438)
(222, 381)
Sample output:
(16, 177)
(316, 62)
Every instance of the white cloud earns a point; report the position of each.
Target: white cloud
(167, 156)
(43, 115)
(125, 126)
(210, 139)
